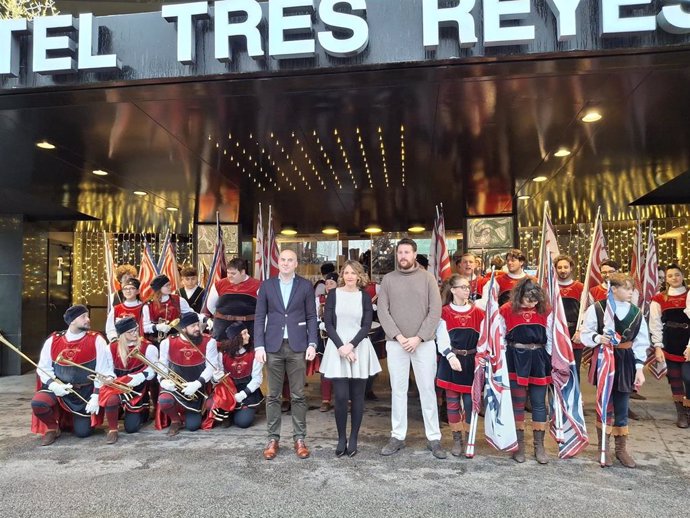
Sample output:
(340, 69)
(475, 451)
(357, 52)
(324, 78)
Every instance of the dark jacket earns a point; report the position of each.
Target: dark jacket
(329, 318)
(271, 317)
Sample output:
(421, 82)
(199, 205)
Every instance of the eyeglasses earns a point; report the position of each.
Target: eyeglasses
(461, 287)
(129, 288)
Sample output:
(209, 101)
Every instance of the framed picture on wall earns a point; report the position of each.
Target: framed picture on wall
(493, 232)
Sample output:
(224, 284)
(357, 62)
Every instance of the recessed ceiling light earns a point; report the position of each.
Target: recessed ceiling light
(416, 228)
(140, 193)
(562, 152)
(540, 178)
(330, 230)
(373, 229)
(171, 209)
(44, 144)
(524, 197)
(288, 230)
(100, 172)
(591, 116)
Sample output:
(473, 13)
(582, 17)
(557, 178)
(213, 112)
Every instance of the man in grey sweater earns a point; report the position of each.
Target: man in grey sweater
(409, 309)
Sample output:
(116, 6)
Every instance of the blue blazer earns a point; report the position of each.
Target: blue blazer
(272, 317)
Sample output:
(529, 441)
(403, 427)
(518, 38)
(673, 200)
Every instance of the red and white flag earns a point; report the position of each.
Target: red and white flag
(272, 251)
(110, 271)
(259, 262)
(218, 268)
(168, 265)
(548, 247)
(650, 283)
(147, 271)
(637, 265)
(439, 260)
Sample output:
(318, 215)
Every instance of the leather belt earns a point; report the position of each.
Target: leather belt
(529, 347)
(677, 325)
(232, 318)
(463, 352)
(624, 345)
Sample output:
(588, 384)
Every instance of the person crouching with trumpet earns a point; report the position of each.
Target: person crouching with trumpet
(238, 394)
(185, 368)
(67, 391)
(131, 371)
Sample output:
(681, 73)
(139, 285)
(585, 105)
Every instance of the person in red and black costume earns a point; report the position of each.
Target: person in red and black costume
(571, 294)
(601, 291)
(191, 355)
(247, 375)
(191, 291)
(669, 325)
(136, 408)
(525, 322)
(131, 307)
(466, 266)
(515, 261)
(456, 339)
(55, 401)
(163, 308)
(232, 301)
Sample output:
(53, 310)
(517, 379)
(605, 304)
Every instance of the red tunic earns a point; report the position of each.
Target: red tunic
(599, 293)
(675, 336)
(165, 311)
(133, 365)
(82, 351)
(505, 284)
(526, 326)
(571, 295)
(122, 311)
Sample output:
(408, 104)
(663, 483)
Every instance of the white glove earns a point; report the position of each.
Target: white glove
(162, 328)
(218, 375)
(92, 406)
(322, 326)
(375, 307)
(191, 387)
(240, 396)
(454, 362)
(59, 389)
(209, 324)
(150, 374)
(168, 385)
(137, 379)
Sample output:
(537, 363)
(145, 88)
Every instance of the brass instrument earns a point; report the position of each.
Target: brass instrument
(51, 376)
(165, 373)
(101, 378)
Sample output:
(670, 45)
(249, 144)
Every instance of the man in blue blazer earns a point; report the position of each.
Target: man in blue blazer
(285, 334)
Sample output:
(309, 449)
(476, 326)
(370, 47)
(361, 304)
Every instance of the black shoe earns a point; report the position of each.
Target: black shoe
(370, 396)
(352, 448)
(341, 449)
(351, 453)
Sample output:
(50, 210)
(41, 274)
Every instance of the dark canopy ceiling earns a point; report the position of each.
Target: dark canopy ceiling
(355, 147)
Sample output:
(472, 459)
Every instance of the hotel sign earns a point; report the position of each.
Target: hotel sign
(341, 31)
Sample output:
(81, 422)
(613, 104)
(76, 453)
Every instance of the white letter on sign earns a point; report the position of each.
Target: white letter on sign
(497, 10)
(279, 24)
(88, 58)
(564, 11)
(185, 14)
(223, 29)
(612, 23)
(44, 43)
(673, 18)
(434, 17)
(343, 48)
(9, 60)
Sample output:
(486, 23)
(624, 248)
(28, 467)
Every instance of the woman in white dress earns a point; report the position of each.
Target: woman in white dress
(349, 358)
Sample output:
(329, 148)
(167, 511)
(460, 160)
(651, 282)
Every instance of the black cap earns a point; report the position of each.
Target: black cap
(331, 277)
(132, 281)
(422, 260)
(125, 324)
(73, 312)
(159, 281)
(189, 318)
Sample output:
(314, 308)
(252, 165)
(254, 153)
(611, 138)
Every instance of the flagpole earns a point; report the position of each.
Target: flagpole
(266, 261)
(585, 290)
(542, 244)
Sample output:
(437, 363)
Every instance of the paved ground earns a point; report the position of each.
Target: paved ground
(222, 473)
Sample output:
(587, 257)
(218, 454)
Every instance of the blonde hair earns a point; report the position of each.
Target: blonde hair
(362, 277)
(123, 348)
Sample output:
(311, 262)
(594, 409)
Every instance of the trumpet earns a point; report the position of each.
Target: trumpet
(51, 376)
(165, 373)
(101, 378)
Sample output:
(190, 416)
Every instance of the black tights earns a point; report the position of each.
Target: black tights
(344, 390)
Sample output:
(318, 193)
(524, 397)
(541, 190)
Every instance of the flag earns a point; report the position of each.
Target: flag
(272, 252)
(109, 271)
(439, 260)
(597, 255)
(637, 265)
(168, 265)
(499, 422)
(548, 249)
(218, 268)
(567, 422)
(259, 263)
(658, 369)
(147, 271)
(606, 368)
(650, 282)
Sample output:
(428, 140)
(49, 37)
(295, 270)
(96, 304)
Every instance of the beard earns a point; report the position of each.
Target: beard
(195, 339)
(84, 327)
(563, 276)
(404, 264)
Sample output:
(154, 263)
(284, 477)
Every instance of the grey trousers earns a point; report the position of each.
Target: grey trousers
(286, 361)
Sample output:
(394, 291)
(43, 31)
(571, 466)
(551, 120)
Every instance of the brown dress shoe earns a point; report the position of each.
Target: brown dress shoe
(325, 406)
(174, 428)
(301, 449)
(49, 437)
(111, 438)
(271, 449)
